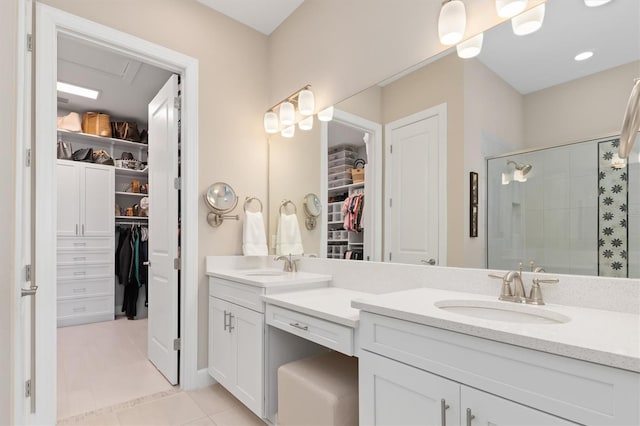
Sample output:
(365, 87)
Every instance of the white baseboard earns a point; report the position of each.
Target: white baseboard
(203, 379)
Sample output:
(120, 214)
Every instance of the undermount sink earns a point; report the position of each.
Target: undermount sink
(265, 273)
(502, 311)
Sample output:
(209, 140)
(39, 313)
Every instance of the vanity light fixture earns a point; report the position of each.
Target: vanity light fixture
(584, 55)
(72, 89)
(290, 110)
(510, 8)
(326, 114)
(595, 3)
(470, 48)
(288, 132)
(306, 124)
(452, 22)
(529, 21)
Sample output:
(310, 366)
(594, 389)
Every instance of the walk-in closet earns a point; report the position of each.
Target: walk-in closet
(105, 158)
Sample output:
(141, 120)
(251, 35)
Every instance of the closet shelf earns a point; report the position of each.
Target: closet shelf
(344, 188)
(142, 218)
(101, 141)
(134, 173)
(132, 194)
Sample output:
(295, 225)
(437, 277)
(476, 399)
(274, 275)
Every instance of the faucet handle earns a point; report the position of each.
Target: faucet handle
(505, 291)
(535, 296)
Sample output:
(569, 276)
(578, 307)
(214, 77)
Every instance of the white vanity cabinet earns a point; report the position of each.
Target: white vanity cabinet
(412, 373)
(236, 340)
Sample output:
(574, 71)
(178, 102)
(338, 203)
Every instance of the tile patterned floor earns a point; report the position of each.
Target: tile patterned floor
(105, 378)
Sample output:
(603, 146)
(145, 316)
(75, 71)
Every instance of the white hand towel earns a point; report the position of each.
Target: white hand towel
(254, 240)
(288, 239)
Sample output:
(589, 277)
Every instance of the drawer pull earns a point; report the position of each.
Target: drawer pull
(469, 417)
(80, 290)
(298, 326)
(443, 411)
(80, 309)
(80, 273)
(80, 244)
(80, 258)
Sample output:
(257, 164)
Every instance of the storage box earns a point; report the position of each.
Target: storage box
(357, 175)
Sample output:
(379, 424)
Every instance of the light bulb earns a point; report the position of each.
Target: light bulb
(528, 22)
(595, 3)
(583, 56)
(452, 22)
(326, 114)
(509, 8)
(306, 124)
(306, 102)
(287, 113)
(288, 132)
(470, 48)
(270, 122)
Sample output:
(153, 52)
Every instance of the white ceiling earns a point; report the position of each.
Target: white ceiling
(261, 15)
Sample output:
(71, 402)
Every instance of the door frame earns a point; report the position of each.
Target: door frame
(49, 23)
(439, 111)
(373, 236)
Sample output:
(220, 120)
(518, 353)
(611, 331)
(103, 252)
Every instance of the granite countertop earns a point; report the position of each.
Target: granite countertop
(329, 303)
(599, 336)
(269, 277)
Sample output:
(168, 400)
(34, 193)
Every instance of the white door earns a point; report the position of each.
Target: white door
(96, 200)
(68, 222)
(413, 210)
(483, 409)
(392, 393)
(163, 230)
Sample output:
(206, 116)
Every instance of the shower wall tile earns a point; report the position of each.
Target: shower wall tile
(555, 161)
(534, 192)
(556, 192)
(557, 239)
(584, 231)
(582, 191)
(583, 158)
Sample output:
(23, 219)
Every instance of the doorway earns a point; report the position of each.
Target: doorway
(51, 23)
(416, 193)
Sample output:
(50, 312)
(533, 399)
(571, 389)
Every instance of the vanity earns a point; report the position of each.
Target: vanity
(426, 355)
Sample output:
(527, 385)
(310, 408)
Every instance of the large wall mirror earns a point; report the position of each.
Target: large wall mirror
(521, 94)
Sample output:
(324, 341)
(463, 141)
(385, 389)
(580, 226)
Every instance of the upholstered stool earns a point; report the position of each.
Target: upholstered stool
(320, 390)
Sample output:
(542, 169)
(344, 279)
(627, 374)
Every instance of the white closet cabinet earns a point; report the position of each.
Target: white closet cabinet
(85, 243)
(236, 341)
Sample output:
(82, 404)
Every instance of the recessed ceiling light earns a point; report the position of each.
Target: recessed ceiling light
(584, 55)
(77, 90)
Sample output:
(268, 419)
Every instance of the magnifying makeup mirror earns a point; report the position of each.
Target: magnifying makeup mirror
(221, 199)
(312, 209)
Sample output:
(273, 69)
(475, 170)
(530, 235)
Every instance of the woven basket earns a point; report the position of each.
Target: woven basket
(96, 123)
(357, 175)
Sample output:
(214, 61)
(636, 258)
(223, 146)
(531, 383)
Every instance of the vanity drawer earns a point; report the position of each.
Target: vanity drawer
(85, 310)
(326, 333)
(82, 243)
(241, 294)
(83, 256)
(85, 271)
(85, 287)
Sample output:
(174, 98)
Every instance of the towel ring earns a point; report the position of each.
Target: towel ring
(248, 201)
(284, 205)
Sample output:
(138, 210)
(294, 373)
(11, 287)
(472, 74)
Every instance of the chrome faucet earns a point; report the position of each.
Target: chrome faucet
(290, 264)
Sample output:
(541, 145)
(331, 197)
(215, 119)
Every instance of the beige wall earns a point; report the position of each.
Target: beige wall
(366, 104)
(583, 109)
(8, 92)
(294, 171)
(233, 97)
(493, 118)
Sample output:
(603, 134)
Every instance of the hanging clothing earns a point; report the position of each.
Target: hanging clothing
(352, 210)
(131, 256)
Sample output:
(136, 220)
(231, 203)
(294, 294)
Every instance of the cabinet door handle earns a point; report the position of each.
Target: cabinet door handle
(443, 408)
(231, 327)
(469, 417)
(83, 229)
(76, 229)
(225, 320)
(298, 326)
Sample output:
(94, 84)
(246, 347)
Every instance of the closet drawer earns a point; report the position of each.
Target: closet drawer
(85, 271)
(238, 293)
(87, 309)
(85, 287)
(84, 256)
(326, 333)
(82, 243)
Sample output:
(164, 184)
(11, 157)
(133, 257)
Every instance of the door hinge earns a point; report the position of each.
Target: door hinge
(27, 388)
(27, 273)
(177, 344)
(29, 43)
(389, 256)
(390, 149)
(27, 157)
(176, 263)
(177, 183)
(176, 102)
(390, 202)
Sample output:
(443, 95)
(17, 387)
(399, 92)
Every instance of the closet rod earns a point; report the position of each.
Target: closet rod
(131, 223)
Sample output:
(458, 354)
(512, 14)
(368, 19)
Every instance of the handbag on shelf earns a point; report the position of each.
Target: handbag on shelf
(83, 154)
(96, 123)
(70, 123)
(102, 157)
(125, 130)
(65, 151)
